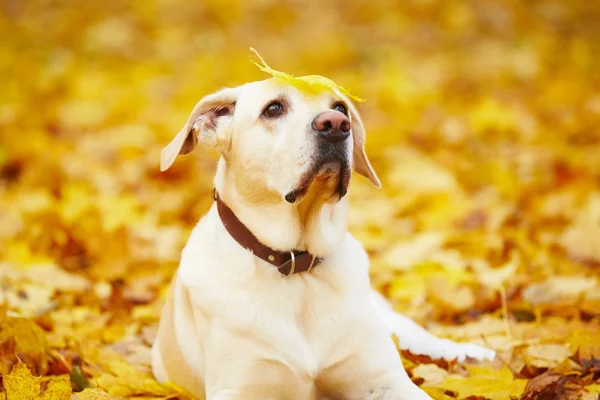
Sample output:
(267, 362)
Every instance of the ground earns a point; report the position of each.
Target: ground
(482, 122)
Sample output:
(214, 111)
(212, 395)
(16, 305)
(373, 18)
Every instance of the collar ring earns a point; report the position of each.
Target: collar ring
(293, 263)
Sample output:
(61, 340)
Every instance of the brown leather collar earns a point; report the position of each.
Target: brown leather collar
(289, 262)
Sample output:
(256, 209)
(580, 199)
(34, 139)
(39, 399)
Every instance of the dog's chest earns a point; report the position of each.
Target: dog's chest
(305, 319)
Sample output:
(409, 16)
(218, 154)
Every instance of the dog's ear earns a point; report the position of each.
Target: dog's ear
(360, 160)
(203, 125)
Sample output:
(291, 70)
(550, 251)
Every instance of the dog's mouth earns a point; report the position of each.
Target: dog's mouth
(333, 172)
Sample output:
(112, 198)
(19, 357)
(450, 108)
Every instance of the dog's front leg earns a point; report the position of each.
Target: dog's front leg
(242, 367)
(392, 385)
(373, 371)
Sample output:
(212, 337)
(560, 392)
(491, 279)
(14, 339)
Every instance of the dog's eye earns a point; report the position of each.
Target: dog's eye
(273, 110)
(341, 108)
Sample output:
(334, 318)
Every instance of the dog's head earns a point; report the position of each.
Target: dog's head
(279, 138)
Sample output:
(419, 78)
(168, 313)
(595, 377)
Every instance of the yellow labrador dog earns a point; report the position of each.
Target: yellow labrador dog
(272, 298)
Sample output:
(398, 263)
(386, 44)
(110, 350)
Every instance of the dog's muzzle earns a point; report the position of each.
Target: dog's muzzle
(331, 158)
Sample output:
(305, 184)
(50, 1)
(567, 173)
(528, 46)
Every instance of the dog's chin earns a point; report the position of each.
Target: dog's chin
(332, 176)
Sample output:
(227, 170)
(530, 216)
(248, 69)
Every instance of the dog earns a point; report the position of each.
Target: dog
(272, 298)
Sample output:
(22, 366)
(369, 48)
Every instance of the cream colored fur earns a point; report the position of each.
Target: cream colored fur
(233, 327)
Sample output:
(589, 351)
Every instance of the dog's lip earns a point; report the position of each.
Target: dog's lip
(320, 173)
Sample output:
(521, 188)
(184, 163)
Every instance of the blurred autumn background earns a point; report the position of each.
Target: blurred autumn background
(483, 125)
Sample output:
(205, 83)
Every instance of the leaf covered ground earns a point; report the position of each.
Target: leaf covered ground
(483, 125)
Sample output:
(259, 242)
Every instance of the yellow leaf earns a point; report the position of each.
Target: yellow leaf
(430, 373)
(546, 355)
(593, 389)
(586, 342)
(95, 394)
(29, 337)
(20, 384)
(3, 311)
(559, 287)
(495, 277)
(490, 114)
(59, 388)
(581, 238)
(419, 173)
(127, 380)
(308, 83)
(485, 382)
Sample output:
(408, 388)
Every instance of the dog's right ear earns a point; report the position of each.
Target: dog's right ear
(203, 125)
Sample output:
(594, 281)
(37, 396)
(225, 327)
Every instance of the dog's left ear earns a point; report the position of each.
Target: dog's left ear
(205, 124)
(359, 159)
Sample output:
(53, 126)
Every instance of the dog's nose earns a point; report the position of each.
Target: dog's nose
(332, 125)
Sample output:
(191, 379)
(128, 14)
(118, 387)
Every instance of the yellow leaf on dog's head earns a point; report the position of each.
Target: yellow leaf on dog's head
(308, 83)
(20, 384)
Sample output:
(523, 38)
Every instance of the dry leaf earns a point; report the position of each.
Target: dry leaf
(485, 382)
(95, 394)
(593, 389)
(551, 384)
(547, 355)
(125, 380)
(430, 373)
(20, 384)
(559, 287)
(586, 343)
(581, 239)
(59, 388)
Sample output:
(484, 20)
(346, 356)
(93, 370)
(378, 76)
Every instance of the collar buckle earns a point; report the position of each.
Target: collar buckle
(299, 262)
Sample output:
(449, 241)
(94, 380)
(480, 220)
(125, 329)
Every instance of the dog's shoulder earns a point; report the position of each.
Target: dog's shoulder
(353, 252)
(211, 253)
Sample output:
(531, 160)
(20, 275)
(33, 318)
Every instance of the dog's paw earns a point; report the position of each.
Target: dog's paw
(437, 348)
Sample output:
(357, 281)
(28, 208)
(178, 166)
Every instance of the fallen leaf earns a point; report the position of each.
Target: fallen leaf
(95, 394)
(20, 384)
(496, 277)
(593, 389)
(586, 343)
(125, 380)
(581, 239)
(451, 299)
(552, 385)
(558, 287)
(59, 388)
(485, 382)
(29, 339)
(430, 373)
(540, 384)
(406, 255)
(547, 355)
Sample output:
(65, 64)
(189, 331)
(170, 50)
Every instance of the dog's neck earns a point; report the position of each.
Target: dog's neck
(312, 225)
